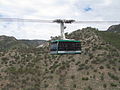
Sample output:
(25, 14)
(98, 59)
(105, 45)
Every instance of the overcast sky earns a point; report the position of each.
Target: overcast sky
(54, 9)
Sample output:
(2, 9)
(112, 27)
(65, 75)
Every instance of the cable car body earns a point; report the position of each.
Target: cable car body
(65, 47)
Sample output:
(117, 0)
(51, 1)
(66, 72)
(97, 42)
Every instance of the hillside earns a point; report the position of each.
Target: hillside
(114, 28)
(7, 43)
(32, 43)
(97, 68)
(111, 38)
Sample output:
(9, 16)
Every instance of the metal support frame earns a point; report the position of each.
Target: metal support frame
(62, 31)
(62, 22)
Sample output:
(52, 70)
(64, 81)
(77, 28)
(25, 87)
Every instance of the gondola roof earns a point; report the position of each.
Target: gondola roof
(65, 41)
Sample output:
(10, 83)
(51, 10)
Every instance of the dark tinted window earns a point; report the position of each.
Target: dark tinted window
(69, 46)
(53, 46)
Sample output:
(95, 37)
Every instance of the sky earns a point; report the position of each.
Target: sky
(79, 10)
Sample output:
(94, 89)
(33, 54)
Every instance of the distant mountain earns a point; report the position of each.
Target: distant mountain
(7, 38)
(114, 28)
(7, 42)
(33, 43)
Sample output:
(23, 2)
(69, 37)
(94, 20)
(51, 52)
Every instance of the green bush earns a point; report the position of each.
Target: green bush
(114, 77)
(74, 85)
(85, 78)
(113, 85)
(104, 85)
(11, 69)
(4, 60)
(78, 63)
(72, 77)
(88, 88)
(83, 66)
(101, 67)
(46, 85)
(108, 66)
(102, 77)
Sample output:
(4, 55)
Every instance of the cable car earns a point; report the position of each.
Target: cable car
(65, 47)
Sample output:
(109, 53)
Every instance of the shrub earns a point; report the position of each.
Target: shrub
(78, 63)
(91, 55)
(98, 61)
(104, 85)
(11, 69)
(74, 86)
(86, 61)
(83, 66)
(88, 88)
(85, 78)
(95, 70)
(88, 73)
(113, 85)
(73, 60)
(46, 85)
(72, 77)
(114, 77)
(4, 60)
(101, 67)
(102, 77)
(108, 66)
(119, 68)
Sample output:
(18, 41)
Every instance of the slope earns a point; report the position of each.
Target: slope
(114, 28)
(111, 37)
(7, 43)
(97, 68)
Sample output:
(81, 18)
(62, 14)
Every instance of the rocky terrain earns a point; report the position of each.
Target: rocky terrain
(96, 68)
(114, 28)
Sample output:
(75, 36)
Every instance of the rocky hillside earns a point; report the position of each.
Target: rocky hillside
(97, 68)
(111, 38)
(114, 28)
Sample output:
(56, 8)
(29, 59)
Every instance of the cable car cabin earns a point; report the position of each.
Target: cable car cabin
(65, 47)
